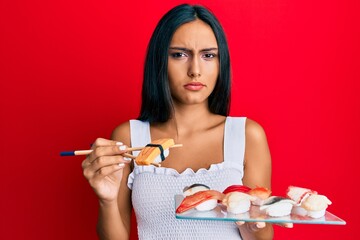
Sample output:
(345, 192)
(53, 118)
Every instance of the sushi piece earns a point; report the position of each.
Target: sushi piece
(299, 194)
(236, 188)
(155, 152)
(299, 211)
(207, 205)
(237, 202)
(198, 187)
(316, 205)
(277, 206)
(194, 188)
(196, 200)
(261, 193)
(309, 202)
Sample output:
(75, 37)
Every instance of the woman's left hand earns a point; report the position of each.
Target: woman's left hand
(251, 230)
(252, 226)
(256, 226)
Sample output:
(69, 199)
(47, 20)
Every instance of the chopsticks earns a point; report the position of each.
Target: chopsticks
(86, 152)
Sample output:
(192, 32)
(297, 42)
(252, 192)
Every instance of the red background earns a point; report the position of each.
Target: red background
(71, 71)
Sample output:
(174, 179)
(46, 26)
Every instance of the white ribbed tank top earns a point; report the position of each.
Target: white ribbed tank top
(154, 188)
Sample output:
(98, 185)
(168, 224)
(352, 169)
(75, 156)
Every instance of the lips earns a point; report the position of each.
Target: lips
(194, 86)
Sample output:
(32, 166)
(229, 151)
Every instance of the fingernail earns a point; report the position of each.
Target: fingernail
(260, 225)
(122, 148)
(240, 223)
(121, 164)
(119, 143)
(288, 225)
(127, 159)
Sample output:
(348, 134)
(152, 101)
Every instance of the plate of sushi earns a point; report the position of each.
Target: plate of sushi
(241, 203)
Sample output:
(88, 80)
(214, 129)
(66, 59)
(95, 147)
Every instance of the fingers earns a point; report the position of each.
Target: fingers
(252, 226)
(100, 150)
(105, 158)
(105, 142)
(101, 164)
(105, 147)
(287, 225)
(240, 223)
(108, 150)
(105, 171)
(260, 225)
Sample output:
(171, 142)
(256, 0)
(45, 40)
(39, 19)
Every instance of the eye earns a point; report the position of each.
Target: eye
(209, 55)
(178, 54)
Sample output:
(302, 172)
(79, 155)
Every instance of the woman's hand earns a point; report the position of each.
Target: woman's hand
(252, 226)
(249, 228)
(256, 226)
(103, 168)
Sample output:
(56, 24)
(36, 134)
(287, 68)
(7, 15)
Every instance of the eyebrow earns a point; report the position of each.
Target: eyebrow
(188, 50)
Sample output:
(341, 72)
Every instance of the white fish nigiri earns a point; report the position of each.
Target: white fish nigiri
(278, 206)
(309, 202)
(316, 205)
(238, 202)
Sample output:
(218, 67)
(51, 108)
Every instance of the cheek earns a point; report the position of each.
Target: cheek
(176, 72)
(173, 76)
(212, 72)
(173, 70)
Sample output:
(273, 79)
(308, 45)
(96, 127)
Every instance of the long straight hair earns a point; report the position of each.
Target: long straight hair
(157, 105)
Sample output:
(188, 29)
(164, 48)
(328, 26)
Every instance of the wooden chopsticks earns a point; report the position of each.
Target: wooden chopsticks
(86, 152)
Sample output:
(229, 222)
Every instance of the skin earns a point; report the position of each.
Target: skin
(193, 57)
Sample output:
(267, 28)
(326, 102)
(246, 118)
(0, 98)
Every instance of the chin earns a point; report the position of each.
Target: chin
(195, 101)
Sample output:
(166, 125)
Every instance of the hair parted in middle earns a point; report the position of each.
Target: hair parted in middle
(157, 103)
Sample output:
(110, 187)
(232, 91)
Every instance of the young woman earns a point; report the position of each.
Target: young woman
(185, 96)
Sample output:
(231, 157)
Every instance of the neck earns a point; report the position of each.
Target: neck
(191, 116)
(191, 119)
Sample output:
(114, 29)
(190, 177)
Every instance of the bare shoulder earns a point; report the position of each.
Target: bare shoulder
(254, 131)
(122, 133)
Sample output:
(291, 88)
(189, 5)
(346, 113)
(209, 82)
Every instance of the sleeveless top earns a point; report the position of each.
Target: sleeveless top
(154, 188)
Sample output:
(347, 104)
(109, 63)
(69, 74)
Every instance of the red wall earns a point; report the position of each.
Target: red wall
(71, 71)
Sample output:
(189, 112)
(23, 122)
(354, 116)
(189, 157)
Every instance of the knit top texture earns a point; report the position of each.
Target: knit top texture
(154, 188)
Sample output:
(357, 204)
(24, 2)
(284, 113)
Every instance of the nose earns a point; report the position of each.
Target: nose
(194, 68)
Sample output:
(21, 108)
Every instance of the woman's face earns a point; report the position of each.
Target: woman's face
(193, 63)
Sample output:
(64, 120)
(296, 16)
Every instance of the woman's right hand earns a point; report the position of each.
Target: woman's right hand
(103, 168)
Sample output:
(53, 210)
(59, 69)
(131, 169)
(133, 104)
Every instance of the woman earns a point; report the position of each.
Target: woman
(185, 96)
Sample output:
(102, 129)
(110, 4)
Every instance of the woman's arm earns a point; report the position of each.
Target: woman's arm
(257, 172)
(114, 217)
(107, 172)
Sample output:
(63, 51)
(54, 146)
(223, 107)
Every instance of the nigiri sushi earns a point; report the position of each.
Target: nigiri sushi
(237, 202)
(198, 187)
(194, 188)
(299, 194)
(309, 202)
(298, 210)
(155, 152)
(261, 193)
(316, 205)
(236, 188)
(277, 206)
(200, 201)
